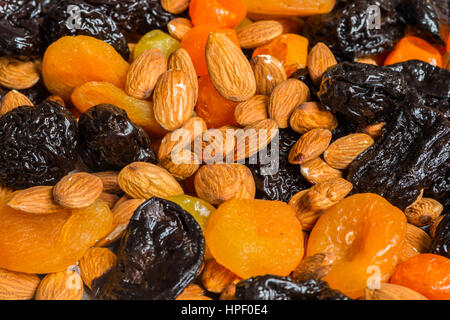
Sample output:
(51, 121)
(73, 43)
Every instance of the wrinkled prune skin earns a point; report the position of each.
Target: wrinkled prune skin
(19, 27)
(283, 288)
(441, 241)
(160, 254)
(287, 180)
(37, 145)
(93, 21)
(412, 154)
(108, 140)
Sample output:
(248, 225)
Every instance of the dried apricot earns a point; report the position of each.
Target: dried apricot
(255, 237)
(71, 61)
(139, 111)
(365, 234)
(49, 243)
(428, 274)
(220, 13)
(414, 48)
(289, 7)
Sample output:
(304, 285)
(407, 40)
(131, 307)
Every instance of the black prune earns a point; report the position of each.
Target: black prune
(19, 27)
(285, 182)
(108, 140)
(270, 287)
(36, 93)
(160, 254)
(75, 17)
(37, 145)
(441, 241)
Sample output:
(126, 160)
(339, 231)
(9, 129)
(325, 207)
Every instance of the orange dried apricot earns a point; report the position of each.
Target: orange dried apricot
(220, 13)
(255, 237)
(289, 7)
(428, 274)
(194, 42)
(139, 111)
(291, 49)
(414, 48)
(212, 107)
(33, 243)
(71, 61)
(365, 234)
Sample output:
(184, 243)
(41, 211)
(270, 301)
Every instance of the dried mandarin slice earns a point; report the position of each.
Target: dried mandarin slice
(365, 233)
(139, 111)
(289, 7)
(72, 61)
(414, 48)
(428, 274)
(220, 13)
(255, 237)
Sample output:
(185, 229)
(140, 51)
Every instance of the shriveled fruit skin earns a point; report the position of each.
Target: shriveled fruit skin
(254, 237)
(72, 61)
(50, 243)
(140, 112)
(365, 233)
(441, 239)
(220, 13)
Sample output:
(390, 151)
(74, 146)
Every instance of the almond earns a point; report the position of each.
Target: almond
(109, 198)
(144, 72)
(124, 198)
(179, 27)
(219, 145)
(375, 130)
(310, 146)
(319, 60)
(314, 267)
(185, 165)
(367, 60)
(193, 292)
(95, 263)
(215, 278)
(217, 183)
(417, 241)
(142, 180)
(341, 153)
(173, 99)
(424, 212)
(78, 190)
(324, 195)
(229, 70)
(390, 291)
(259, 33)
(180, 60)
(196, 127)
(175, 6)
(288, 95)
(109, 180)
(16, 74)
(38, 200)
(12, 100)
(65, 285)
(269, 73)
(252, 110)
(229, 293)
(178, 139)
(17, 286)
(305, 215)
(434, 226)
(318, 171)
(310, 115)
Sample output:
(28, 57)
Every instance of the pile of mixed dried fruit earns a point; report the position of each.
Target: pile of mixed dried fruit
(225, 149)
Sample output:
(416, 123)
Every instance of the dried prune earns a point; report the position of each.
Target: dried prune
(283, 183)
(36, 93)
(108, 140)
(441, 241)
(270, 287)
(19, 27)
(160, 254)
(75, 17)
(37, 145)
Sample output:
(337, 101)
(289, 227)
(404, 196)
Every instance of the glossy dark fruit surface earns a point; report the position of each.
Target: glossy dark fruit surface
(441, 241)
(36, 93)
(160, 254)
(270, 287)
(37, 145)
(108, 140)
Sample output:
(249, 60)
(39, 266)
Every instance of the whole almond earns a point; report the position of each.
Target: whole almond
(434, 226)
(252, 110)
(314, 267)
(310, 146)
(193, 292)
(38, 200)
(173, 99)
(217, 183)
(288, 95)
(175, 6)
(219, 145)
(318, 171)
(196, 127)
(95, 263)
(417, 241)
(324, 195)
(259, 33)
(77, 190)
(229, 293)
(65, 285)
(341, 153)
(109, 180)
(423, 212)
(319, 60)
(269, 73)
(180, 60)
(305, 215)
(12, 100)
(179, 27)
(215, 277)
(310, 115)
(183, 166)
(375, 130)
(16, 74)
(176, 140)
(110, 199)
(367, 60)
(17, 286)
(144, 72)
(390, 291)
(229, 70)
(142, 180)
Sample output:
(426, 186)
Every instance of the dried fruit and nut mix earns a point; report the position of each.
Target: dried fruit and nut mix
(225, 149)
